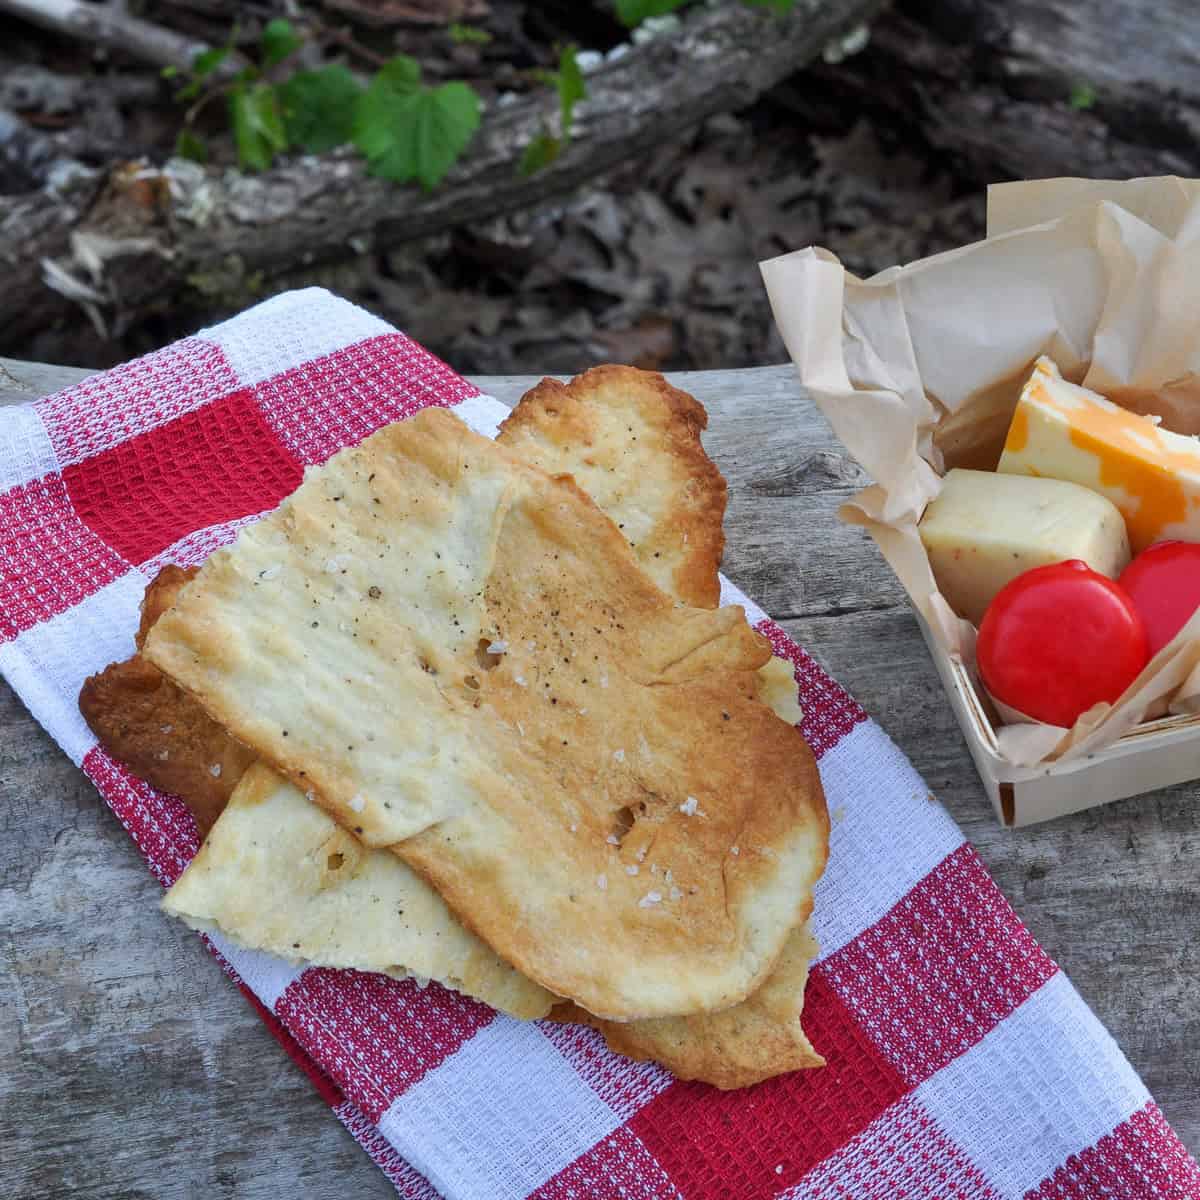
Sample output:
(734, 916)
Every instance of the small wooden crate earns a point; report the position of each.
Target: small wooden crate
(1156, 754)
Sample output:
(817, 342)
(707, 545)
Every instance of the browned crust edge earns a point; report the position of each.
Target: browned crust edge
(696, 580)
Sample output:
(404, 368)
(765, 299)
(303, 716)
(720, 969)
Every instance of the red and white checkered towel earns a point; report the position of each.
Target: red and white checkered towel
(962, 1063)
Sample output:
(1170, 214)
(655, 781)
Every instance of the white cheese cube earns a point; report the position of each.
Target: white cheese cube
(985, 529)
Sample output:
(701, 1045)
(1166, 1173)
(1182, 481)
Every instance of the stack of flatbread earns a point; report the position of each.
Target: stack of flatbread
(468, 711)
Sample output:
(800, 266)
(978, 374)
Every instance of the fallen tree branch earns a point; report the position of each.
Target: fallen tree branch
(25, 87)
(111, 27)
(211, 229)
(1025, 89)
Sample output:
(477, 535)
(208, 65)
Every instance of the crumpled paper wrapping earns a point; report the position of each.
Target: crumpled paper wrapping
(918, 370)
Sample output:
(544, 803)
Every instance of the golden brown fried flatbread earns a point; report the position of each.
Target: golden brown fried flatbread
(734, 1048)
(156, 728)
(743, 1045)
(632, 442)
(555, 702)
(279, 874)
(755, 1040)
(161, 594)
(777, 688)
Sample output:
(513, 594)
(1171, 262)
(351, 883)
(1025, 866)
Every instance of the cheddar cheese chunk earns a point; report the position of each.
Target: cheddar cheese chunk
(984, 529)
(1063, 431)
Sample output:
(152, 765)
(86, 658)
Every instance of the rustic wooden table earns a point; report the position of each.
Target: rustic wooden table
(132, 1069)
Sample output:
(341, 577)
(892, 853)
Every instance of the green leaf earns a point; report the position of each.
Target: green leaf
(377, 106)
(780, 6)
(540, 152)
(568, 81)
(571, 88)
(632, 13)
(468, 35)
(191, 145)
(257, 125)
(319, 108)
(408, 131)
(207, 61)
(279, 39)
(169, 72)
(401, 76)
(1082, 96)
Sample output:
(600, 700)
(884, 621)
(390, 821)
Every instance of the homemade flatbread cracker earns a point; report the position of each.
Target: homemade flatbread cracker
(161, 593)
(743, 1045)
(155, 728)
(279, 874)
(777, 689)
(756, 1039)
(632, 442)
(554, 703)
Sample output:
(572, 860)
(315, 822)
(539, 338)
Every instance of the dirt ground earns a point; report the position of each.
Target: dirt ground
(654, 264)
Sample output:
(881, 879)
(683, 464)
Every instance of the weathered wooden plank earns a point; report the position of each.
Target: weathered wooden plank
(20, 381)
(130, 1068)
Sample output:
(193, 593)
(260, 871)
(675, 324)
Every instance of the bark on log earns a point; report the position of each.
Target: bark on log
(111, 27)
(1025, 89)
(212, 228)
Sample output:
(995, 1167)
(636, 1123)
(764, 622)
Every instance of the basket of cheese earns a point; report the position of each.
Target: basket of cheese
(1028, 408)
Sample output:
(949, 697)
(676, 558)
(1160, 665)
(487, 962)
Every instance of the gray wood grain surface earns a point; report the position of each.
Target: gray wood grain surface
(129, 1067)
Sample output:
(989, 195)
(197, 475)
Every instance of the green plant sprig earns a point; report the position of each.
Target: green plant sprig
(407, 130)
(568, 82)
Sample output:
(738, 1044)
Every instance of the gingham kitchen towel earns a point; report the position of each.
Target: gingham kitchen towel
(961, 1062)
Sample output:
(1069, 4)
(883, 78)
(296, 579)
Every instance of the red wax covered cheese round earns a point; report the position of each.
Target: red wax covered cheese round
(1058, 639)
(1164, 584)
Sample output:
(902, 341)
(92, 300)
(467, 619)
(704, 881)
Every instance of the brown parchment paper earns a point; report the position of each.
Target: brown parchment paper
(918, 369)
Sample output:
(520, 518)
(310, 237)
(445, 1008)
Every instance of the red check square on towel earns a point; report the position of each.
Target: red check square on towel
(961, 1061)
